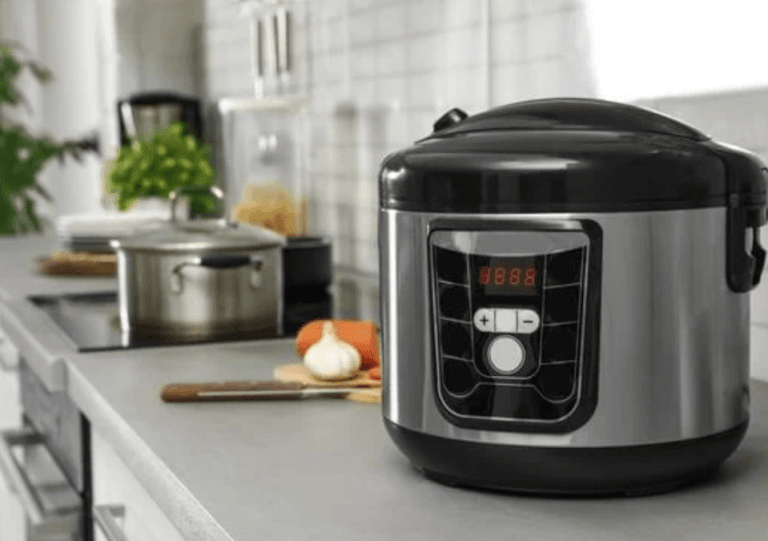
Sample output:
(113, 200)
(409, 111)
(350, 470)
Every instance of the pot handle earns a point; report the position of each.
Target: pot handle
(178, 192)
(219, 261)
(226, 261)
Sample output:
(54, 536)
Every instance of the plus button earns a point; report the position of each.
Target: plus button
(483, 319)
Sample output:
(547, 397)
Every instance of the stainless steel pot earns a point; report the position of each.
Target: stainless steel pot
(201, 278)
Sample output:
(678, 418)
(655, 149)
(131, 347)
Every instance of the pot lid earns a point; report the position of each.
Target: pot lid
(567, 155)
(202, 236)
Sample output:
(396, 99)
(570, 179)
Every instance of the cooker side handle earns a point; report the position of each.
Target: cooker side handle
(747, 211)
(745, 263)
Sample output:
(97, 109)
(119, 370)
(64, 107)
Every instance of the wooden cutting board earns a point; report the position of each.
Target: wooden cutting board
(78, 264)
(298, 372)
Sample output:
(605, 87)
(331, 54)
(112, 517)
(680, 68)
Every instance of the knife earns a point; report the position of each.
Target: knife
(250, 390)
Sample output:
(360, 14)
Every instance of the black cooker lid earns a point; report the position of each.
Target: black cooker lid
(568, 155)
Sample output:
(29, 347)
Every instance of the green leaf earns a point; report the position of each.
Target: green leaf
(7, 212)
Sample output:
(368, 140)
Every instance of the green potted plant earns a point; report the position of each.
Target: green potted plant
(172, 158)
(22, 154)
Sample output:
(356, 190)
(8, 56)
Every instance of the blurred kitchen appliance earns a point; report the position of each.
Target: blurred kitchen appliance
(263, 141)
(140, 115)
(565, 302)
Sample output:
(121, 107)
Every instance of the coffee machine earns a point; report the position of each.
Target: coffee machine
(140, 115)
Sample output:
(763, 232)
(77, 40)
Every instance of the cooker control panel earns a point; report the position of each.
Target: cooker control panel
(510, 320)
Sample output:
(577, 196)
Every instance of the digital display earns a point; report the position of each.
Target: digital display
(505, 275)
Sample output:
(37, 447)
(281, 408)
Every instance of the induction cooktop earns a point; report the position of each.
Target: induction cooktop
(92, 320)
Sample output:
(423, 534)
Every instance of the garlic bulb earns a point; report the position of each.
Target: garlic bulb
(331, 358)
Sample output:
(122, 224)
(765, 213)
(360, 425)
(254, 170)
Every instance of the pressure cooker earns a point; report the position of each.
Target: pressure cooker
(565, 298)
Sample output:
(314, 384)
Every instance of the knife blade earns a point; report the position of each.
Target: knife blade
(250, 390)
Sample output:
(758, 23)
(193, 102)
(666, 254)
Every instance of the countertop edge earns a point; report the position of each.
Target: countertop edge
(40, 345)
(182, 508)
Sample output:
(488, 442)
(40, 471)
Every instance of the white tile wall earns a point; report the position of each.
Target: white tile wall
(156, 45)
(759, 351)
(379, 72)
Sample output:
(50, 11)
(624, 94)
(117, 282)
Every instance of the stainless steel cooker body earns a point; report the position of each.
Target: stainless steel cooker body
(672, 361)
(203, 294)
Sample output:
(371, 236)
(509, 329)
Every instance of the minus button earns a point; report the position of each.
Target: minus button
(527, 321)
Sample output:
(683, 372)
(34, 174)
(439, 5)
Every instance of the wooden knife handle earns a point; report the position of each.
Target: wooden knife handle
(190, 392)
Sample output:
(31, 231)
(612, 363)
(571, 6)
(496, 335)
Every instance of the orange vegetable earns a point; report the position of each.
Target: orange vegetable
(360, 334)
(375, 372)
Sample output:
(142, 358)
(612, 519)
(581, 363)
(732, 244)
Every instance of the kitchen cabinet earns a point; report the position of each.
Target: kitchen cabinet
(123, 510)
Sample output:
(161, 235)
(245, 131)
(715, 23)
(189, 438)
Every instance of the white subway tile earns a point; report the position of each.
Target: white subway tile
(168, 74)
(239, 55)
(222, 11)
(759, 305)
(365, 258)
(462, 48)
(365, 222)
(419, 124)
(535, 7)
(128, 77)
(127, 31)
(165, 30)
(363, 28)
(363, 62)
(462, 88)
(422, 91)
(371, 266)
(424, 54)
(396, 132)
(758, 352)
(544, 35)
(510, 83)
(460, 13)
(391, 59)
(335, 67)
(507, 42)
(424, 16)
(336, 36)
(546, 78)
(391, 21)
(328, 9)
(504, 10)
(364, 92)
(391, 92)
(361, 5)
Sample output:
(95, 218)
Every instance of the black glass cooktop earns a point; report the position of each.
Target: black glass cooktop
(92, 320)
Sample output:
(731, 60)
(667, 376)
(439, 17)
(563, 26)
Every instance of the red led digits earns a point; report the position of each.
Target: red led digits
(499, 273)
(530, 277)
(485, 275)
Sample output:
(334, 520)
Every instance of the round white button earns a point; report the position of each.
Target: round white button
(506, 354)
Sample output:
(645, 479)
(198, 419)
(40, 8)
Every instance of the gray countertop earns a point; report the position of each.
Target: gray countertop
(325, 469)
(18, 277)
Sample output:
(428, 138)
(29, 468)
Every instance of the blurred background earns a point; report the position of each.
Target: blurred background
(315, 104)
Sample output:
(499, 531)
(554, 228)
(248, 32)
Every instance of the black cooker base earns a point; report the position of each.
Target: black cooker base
(631, 471)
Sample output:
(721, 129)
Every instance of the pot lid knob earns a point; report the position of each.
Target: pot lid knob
(451, 118)
(189, 190)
